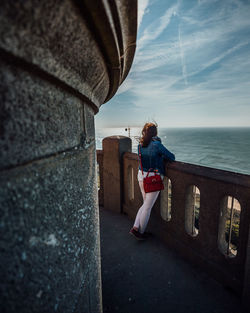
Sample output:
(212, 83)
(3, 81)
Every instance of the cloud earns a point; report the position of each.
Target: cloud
(174, 76)
(201, 48)
(142, 7)
(126, 85)
(183, 63)
(229, 82)
(154, 30)
(218, 58)
(195, 71)
(222, 99)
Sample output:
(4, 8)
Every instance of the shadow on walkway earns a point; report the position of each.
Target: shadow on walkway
(146, 277)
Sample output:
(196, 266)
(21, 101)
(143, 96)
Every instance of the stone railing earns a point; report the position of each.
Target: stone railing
(203, 213)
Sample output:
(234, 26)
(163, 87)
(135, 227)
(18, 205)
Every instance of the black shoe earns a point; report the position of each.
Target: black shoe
(137, 234)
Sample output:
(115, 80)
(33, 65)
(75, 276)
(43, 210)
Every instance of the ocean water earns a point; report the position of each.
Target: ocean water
(222, 148)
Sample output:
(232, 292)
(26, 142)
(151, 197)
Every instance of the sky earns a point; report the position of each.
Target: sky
(191, 67)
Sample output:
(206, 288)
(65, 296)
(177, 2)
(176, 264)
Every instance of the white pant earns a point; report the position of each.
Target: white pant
(143, 214)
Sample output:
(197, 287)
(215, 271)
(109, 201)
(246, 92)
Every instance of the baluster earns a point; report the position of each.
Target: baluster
(230, 228)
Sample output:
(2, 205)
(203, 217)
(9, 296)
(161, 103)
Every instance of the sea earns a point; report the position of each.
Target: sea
(221, 148)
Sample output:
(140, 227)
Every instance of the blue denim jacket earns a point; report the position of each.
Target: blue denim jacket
(154, 154)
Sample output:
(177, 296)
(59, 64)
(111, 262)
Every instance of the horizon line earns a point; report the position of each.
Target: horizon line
(175, 127)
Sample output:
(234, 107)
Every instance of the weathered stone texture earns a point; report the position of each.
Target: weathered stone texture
(89, 124)
(113, 149)
(37, 118)
(53, 35)
(127, 13)
(58, 65)
(50, 228)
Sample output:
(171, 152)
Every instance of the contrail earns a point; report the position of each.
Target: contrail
(184, 69)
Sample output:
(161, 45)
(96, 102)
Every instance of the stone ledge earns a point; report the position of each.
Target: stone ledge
(61, 37)
(198, 170)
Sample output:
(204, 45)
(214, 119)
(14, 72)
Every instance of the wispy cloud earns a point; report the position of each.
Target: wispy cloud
(192, 59)
(202, 47)
(154, 30)
(172, 56)
(183, 63)
(222, 99)
(231, 79)
(126, 86)
(142, 7)
(217, 59)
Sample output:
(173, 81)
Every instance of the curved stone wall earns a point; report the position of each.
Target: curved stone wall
(60, 60)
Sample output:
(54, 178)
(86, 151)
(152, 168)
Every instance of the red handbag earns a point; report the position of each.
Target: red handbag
(151, 183)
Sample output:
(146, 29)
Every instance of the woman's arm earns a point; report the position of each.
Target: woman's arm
(165, 152)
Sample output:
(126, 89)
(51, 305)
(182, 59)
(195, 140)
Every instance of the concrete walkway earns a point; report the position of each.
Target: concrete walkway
(146, 277)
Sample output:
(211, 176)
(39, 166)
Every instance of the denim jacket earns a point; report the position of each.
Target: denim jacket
(153, 156)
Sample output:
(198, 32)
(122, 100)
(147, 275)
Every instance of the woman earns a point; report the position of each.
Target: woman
(153, 154)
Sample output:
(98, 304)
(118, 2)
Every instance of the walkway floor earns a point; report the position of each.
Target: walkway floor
(146, 277)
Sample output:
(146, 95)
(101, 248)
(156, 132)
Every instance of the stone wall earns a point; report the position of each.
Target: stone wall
(57, 68)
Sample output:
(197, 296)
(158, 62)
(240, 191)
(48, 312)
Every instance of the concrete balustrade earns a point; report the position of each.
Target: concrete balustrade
(113, 149)
(166, 200)
(214, 185)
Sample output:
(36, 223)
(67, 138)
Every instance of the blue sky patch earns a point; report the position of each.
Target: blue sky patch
(191, 68)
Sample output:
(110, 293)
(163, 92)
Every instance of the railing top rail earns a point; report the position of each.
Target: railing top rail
(99, 151)
(131, 156)
(208, 172)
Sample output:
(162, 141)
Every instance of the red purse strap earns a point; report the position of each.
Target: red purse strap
(149, 171)
(140, 158)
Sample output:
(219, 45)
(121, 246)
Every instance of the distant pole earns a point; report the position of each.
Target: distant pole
(128, 130)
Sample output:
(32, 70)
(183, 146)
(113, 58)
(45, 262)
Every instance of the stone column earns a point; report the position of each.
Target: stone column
(113, 149)
(60, 60)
